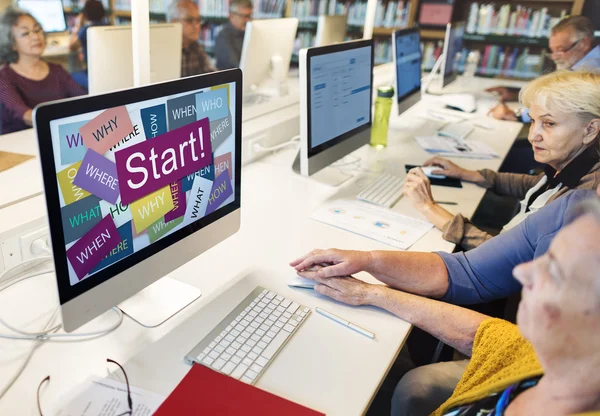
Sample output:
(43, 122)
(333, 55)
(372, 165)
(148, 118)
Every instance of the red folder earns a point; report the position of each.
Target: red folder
(206, 392)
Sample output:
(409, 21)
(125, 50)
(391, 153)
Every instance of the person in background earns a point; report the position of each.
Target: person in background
(93, 14)
(194, 61)
(559, 317)
(572, 45)
(27, 80)
(564, 135)
(228, 45)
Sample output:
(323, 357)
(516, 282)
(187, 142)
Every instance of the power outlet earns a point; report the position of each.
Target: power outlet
(251, 152)
(26, 241)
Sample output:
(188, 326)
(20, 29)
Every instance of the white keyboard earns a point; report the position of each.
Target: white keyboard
(457, 131)
(384, 191)
(486, 102)
(244, 343)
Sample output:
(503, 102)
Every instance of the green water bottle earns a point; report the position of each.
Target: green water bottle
(381, 121)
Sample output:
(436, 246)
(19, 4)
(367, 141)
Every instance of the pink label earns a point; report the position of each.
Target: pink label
(179, 204)
(154, 164)
(106, 129)
(90, 249)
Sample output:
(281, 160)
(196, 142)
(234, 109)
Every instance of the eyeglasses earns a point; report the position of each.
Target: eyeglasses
(129, 400)
(566, 49)
(246, 16)
(192, 20)
(36, 31)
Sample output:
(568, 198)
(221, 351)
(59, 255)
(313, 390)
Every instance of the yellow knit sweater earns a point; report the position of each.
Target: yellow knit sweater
(501, 357)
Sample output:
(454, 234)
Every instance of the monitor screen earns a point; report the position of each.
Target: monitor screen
(435, 14)
(134, 178)
(408, 63)
(455, 44)
(339, 95)
(49, 13)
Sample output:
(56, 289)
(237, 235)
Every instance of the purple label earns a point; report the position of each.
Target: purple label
(220, 191)
(178, 202)
(98, 176)
(153, 164)
(90, 249)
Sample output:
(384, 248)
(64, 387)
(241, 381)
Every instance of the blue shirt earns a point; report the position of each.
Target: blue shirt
(485, 273)
(590, 62)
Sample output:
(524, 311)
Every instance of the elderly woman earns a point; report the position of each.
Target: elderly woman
(26, 80)
(548, 365)
(565, 111)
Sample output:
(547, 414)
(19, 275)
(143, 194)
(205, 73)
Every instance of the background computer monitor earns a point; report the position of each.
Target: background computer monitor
(406, 46)
(336, 90)
(263, 40)
(330, 30)
(453, 42)
(110, 62)
(49, 13)
(435, 13)
(112, 239)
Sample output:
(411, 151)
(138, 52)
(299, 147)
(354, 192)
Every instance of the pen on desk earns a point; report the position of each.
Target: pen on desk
(446, 202)
(345, 323)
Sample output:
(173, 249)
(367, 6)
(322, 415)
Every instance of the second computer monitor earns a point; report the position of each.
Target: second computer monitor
(330, 30)
(453, 42)
(263, 41)
(336, 89)
(406, 46)
(110, 62)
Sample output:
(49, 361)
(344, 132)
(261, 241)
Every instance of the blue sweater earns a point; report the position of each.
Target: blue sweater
(485, 273)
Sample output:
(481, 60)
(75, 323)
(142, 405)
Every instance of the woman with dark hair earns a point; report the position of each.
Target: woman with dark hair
(26, 80)
(92, 14)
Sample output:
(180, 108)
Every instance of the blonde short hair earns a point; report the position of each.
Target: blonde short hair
(573, 92)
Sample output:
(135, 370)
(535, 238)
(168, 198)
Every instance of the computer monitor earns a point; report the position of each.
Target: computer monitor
(453, 42)
(110, 62)
(264, 40)
(406, 46)
(137, 183)
(49, 13)
(330, 30)
(336, 90)
(435, 13)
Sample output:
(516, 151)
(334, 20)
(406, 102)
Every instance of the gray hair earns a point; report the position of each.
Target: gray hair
(235, 5)
(8, 19)
(581, 25)
(174, 9)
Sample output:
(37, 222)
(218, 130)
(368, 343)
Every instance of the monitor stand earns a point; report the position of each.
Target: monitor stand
(328, 176)
(159, 302)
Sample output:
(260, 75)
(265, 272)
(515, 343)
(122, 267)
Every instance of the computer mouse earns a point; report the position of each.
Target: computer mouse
(428, 171)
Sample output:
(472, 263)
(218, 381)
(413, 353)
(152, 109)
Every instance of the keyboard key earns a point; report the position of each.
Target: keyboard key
(262, 304)
(213, 354)
(207, 361)
(226, 356)
(278, 324)
(306, 310)
(247, 361)
(217, 365)
(262, 361)
(251, 342)
(266, 339)
(287, 315)
(206, 350)
(257, 350)
(271, 334)
(228, 368)
(241, 354)
(286, 303)
(259, 320)
(280, 309)
(293, 307)
(303, 314)
(288, 328)
(277, 342)
(264, 327)
(293, 323)
(269, 322)
(264, 315)
(229, 328)
(219, 349)
(279, 298)
(236, 345)
(201, 357)
(239, 371)
(260, 332)
(236, 360)
(270, 295)
(253, 356)
(245, 322)
(245, 334)
(252, 314)
(298, 318)
(246, 380)
(239, 328)
(251, 374)
(218, 339)
(255, 338)
(239, 318)
(230, 338)
(223, 334)
(276, 314)
(212, 345)
(256, 368)
(235, 332)
(241, 339)
(261, 344)
(246, 348)
(264, 292)
(230, 351)
(254, 325)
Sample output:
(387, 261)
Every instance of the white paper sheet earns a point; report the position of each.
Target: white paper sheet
(105, 397)
(446, 146)
(373, 222)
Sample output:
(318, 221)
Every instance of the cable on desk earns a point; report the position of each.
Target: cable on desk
(260, 148)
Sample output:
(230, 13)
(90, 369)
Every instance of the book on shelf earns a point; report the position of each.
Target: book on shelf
(383, 51)
(263, 9)
(511, 20)
(393, 14)
(77, 5)
(156, 6)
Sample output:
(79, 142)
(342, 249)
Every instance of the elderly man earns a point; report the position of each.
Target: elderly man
(194, 61)
(572, 45)
(228, 45)
(479, 275)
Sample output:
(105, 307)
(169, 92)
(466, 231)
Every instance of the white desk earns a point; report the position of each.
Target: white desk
(325, 366)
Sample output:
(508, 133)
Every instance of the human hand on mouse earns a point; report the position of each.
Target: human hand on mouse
(502, 112)
(332, 263)
(505, 93)
(418, 188)
(348, 290)
(445, 167)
